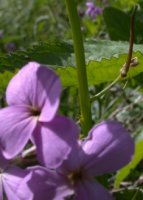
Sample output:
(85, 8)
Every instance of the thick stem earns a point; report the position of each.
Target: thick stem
(85, 107)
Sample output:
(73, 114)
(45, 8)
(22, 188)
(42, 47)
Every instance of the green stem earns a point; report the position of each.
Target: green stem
(85, 107)
(105, 89)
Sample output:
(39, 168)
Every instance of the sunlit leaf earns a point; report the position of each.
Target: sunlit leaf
(104, 60)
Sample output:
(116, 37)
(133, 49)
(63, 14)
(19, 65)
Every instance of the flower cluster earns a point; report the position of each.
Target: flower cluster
(66, 165)
(93, 10)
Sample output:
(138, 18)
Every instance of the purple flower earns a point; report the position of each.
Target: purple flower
(93, 10)
(10, 47)
(107, 148)
(10, 179)
(33, 97)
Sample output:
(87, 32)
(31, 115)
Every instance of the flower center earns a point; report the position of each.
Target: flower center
(35, 112)
(76, 177)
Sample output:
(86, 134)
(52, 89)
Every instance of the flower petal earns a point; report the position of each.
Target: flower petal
(37, 86)
(72, 163)
(44, 184)
(55, 140)
(91, 190)
(16, 127)
(107, 148)
(11, 180)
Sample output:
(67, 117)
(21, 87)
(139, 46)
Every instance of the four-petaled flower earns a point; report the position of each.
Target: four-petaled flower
(33, 97)
(107, 148)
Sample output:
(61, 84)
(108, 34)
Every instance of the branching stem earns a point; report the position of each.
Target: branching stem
(105, 89)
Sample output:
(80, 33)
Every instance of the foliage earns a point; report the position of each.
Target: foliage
(118, 26)
(60, 56)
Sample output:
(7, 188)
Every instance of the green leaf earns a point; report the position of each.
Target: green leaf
(104, 60)
(52, 53)
(118, 26)
(124, 4)
(97, 50)
(132, 194)
(99, 72)
(58, 53)
(4, 79)
(124, 172)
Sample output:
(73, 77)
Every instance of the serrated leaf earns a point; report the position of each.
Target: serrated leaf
(52, 53)
(103, 58)
(125, 171)
(97, 50)
(62, 54)
(100, 72)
